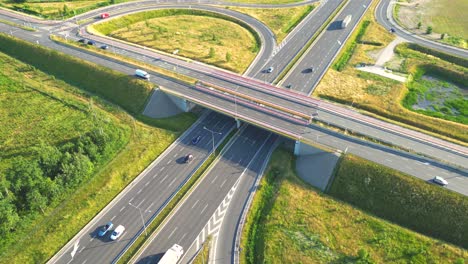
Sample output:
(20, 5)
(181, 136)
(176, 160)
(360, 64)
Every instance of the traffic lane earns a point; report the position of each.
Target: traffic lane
(402, 141)
(225, 244)
(187, 222)
(146, 189)
(417, 166)
(325, 49)
(296, 43)
(382, 18)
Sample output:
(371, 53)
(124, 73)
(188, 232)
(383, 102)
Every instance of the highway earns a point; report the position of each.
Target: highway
(150, 192)
(323, 50)
(384, 16)
(243, 158)
(402, 161)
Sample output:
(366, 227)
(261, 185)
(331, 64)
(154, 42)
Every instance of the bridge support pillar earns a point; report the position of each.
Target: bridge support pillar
(238, 123)
(181, 103)
(301, 149)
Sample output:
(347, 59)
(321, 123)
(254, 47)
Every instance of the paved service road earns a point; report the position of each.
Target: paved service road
(383, 14)
(150, 192)
(243, 158)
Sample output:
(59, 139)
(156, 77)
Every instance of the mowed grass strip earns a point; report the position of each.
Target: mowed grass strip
(281, 21)
(292, 222)
(203, 36)
(40, 109)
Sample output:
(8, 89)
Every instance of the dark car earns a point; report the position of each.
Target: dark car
(309, 70)
(91, 42)
(103, 230)
(188, 158)
(392, 30)
(82, 41)
(195, 140)
(289, 86)
(104, 47)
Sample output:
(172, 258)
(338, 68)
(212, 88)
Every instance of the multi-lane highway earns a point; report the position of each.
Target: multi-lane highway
(150, 192)
(307, 73)
(243, 159)
(414, 165)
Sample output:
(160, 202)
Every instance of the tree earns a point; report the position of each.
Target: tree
(442, 36)
(75, 168)
(212, 52)
(49, 159)
(429, 30)
(66, 10)
(419, 25)
(8, 216)
(228, 57)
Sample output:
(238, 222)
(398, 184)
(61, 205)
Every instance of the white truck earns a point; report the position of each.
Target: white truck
(172, 255)
(346, 21)
(142, 74)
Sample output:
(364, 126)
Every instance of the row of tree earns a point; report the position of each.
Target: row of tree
(31, 184)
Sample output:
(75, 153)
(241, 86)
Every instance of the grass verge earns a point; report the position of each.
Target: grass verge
(203, 256)
(209, 37)
(292, 222)
(281, 21)
(153, 227)
(34, 242)
(125, 91)
(428, 209)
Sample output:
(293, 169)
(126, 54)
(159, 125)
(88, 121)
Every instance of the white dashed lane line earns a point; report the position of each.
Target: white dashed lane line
(195, 204)
(173, 231)
(204, 208)
(121, 209)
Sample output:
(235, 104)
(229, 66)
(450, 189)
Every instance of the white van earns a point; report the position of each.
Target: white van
(142, 74)
(172, 256)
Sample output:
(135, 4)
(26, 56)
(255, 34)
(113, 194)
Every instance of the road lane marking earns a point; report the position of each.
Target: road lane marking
(121, 209)
(223, 183)
(154, 176)
(172, 233)
(182, 238)
(139, 191)
(169, 162)
(175, 155)
(204, 208)
(172, 182)
(215, 178)
(141, 202)
(162, 168)
(84, 262)
(164, 178)
(81, 249)
(113, 217)
(195, 204)
(91, 240)
(131, 199)
(147, 208)
(146, 184)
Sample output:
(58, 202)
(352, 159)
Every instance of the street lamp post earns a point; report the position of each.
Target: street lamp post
(212, 136)
(142, 220)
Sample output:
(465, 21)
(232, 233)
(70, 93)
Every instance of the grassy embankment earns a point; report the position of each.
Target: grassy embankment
(203, 256)
(281, 21)
(200, 35)
(292, 222)
(378, 95)
(444, 16)
(47, 110)
(56, 9)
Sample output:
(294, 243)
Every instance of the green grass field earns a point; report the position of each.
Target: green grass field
(198, 35)
(281, 21)
(292, 222)
(38, 110)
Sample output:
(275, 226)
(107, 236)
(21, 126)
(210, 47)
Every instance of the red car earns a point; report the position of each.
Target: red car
(105, 15)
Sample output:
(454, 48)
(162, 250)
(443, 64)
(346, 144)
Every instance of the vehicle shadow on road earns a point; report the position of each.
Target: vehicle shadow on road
(335, 25)
(151, 259)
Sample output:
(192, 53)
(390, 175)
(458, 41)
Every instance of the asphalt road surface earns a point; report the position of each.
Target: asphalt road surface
(324, 50)
(242, 159)
(150, 193)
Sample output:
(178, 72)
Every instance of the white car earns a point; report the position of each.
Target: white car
(439, 180)
(118, 231)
